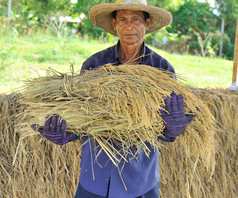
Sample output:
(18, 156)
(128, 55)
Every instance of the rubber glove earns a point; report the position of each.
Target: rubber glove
(175, 119)
(54, 130)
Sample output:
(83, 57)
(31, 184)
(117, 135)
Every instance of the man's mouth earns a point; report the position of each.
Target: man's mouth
(129, 34)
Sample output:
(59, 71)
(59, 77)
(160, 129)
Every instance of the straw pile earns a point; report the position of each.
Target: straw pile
(34, 167)
(8, 139)
(188, 178)
(118, 103)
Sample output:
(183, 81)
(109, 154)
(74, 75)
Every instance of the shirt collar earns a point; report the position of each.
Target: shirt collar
(142, 53)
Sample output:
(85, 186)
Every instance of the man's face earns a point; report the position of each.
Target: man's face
(130, 26)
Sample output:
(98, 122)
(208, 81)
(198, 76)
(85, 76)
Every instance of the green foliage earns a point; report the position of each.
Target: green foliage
(28, 16)
(6, 56)
(228, 9)
(192, 17)
(158, 38)
(3, 25)
(228, 46)
(192, 21)
(24, 56)
(197, 21)
(86, 28)
(161, 37)
(166, 4)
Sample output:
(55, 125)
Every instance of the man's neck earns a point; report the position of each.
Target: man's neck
(129, 53)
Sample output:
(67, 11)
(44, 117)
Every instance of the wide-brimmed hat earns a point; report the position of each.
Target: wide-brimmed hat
(101, 14)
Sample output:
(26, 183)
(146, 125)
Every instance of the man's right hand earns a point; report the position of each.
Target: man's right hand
(54, 130)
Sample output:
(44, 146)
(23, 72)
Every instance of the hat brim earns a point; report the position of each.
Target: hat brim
(100, 15)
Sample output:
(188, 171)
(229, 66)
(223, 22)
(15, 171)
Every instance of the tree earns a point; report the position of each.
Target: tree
(228, 13)
(86, 27)
(27, 14)
(166, 4)
(195, 20)
(235, 65)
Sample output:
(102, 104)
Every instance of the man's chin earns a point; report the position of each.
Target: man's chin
(130, 41)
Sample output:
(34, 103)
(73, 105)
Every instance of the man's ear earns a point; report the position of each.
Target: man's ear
(114, 23)
(148, 23)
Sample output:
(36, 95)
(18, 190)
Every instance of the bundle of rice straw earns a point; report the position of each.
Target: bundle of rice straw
(42, 169)
(33, 167)
(223, 105)
(8, 138)
(118, 103)
(188, 178)
(8, 111)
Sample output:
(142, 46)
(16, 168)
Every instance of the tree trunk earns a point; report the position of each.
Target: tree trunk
(234, 75)
(9, 13)
(203, 42)
(222, 33)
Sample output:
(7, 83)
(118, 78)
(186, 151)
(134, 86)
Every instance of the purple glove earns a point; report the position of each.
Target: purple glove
(175, 120)
(54, 130)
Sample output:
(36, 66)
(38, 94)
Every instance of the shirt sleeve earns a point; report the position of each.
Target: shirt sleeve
(167, 66)
(73, 137)
(88, 64)
(100, 58)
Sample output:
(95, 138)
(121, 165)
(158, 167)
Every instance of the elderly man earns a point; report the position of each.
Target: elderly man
(130, 20)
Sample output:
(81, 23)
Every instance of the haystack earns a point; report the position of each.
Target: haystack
(188, 178)
(31, 166)
(118, 103)
(8, 139)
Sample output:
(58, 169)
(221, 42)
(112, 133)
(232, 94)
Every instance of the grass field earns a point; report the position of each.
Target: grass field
(27, 57)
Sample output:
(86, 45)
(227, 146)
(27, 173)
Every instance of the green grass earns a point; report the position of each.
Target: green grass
(26, 57)
(201, 71)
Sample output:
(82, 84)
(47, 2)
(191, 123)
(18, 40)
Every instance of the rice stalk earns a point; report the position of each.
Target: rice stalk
(120, 103)
(42, 169)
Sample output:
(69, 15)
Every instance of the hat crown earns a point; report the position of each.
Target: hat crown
(132, 1)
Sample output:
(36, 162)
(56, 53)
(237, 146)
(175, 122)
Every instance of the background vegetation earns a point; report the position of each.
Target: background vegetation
(43, 33)
(196, 28)
(29, 56)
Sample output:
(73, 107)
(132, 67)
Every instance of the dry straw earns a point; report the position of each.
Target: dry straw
(118, 103)
(42, 169)
(223, 183)
(8, 140)
(33, 167)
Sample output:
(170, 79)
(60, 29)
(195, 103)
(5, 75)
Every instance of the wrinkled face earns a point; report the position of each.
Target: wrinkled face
(130, 26)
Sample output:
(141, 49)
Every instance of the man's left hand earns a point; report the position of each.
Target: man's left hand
(175, 119)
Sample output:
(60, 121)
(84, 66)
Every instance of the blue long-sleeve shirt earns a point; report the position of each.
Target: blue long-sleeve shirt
(111, 55)
(139, 175)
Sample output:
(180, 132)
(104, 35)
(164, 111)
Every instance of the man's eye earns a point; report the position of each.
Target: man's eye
(136, 20)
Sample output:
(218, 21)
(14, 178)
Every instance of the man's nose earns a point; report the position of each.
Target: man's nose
(129, 24)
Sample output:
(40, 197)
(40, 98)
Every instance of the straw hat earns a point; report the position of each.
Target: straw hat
(100, 15)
